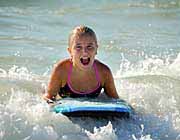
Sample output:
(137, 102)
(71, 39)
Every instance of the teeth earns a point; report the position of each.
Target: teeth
(84, 57)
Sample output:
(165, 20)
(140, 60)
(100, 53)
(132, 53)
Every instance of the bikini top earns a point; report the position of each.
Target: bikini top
(68, 91)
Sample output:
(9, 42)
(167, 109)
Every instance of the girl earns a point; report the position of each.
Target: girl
(81, 75)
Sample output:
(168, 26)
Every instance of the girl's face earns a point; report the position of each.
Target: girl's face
(83, 50)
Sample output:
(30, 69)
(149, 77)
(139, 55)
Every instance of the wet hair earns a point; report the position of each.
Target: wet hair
(80, 31)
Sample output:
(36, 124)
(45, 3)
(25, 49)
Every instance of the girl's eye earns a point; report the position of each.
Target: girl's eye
(90, 47)
(78, 47)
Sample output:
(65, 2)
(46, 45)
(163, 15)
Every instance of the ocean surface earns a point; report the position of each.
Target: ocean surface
(138, 39)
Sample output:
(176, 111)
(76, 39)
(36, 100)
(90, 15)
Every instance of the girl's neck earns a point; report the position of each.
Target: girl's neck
(82, 71)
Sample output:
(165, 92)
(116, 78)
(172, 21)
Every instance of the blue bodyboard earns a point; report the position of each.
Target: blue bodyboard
(74, 107)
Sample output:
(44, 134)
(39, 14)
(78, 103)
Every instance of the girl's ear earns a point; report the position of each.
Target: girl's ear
(69, 50)
(96, 49)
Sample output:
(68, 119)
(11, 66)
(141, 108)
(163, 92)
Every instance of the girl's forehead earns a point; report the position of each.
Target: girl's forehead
(84, 38)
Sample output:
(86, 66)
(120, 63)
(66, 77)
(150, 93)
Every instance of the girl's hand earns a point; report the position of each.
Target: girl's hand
(48, 99)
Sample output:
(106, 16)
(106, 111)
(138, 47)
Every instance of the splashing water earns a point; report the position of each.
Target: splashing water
(142, 51)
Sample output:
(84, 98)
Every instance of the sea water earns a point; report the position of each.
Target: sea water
(139, 41)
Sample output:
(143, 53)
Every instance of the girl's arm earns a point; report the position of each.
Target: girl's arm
(54, 84)
(109, 85)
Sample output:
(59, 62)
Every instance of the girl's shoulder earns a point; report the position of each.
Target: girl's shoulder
(103, 70)
(62, 66)
(63, 63)
(101, 67)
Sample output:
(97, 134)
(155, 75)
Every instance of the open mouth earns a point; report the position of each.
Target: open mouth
(85, 61)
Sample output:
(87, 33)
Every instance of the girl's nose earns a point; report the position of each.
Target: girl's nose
(85, 50)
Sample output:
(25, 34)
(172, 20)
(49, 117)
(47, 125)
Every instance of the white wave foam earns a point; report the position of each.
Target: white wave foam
(175, 66)
(22, 73)
(3, 73)
(103, 133)
(150, 66)
(45, 133)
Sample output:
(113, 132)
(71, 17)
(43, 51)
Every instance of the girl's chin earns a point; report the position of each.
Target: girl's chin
(85, 66)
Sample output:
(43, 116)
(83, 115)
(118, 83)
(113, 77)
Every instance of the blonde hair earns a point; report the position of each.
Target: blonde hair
(80, 31)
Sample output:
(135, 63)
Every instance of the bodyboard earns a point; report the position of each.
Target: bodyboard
(74, 107)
